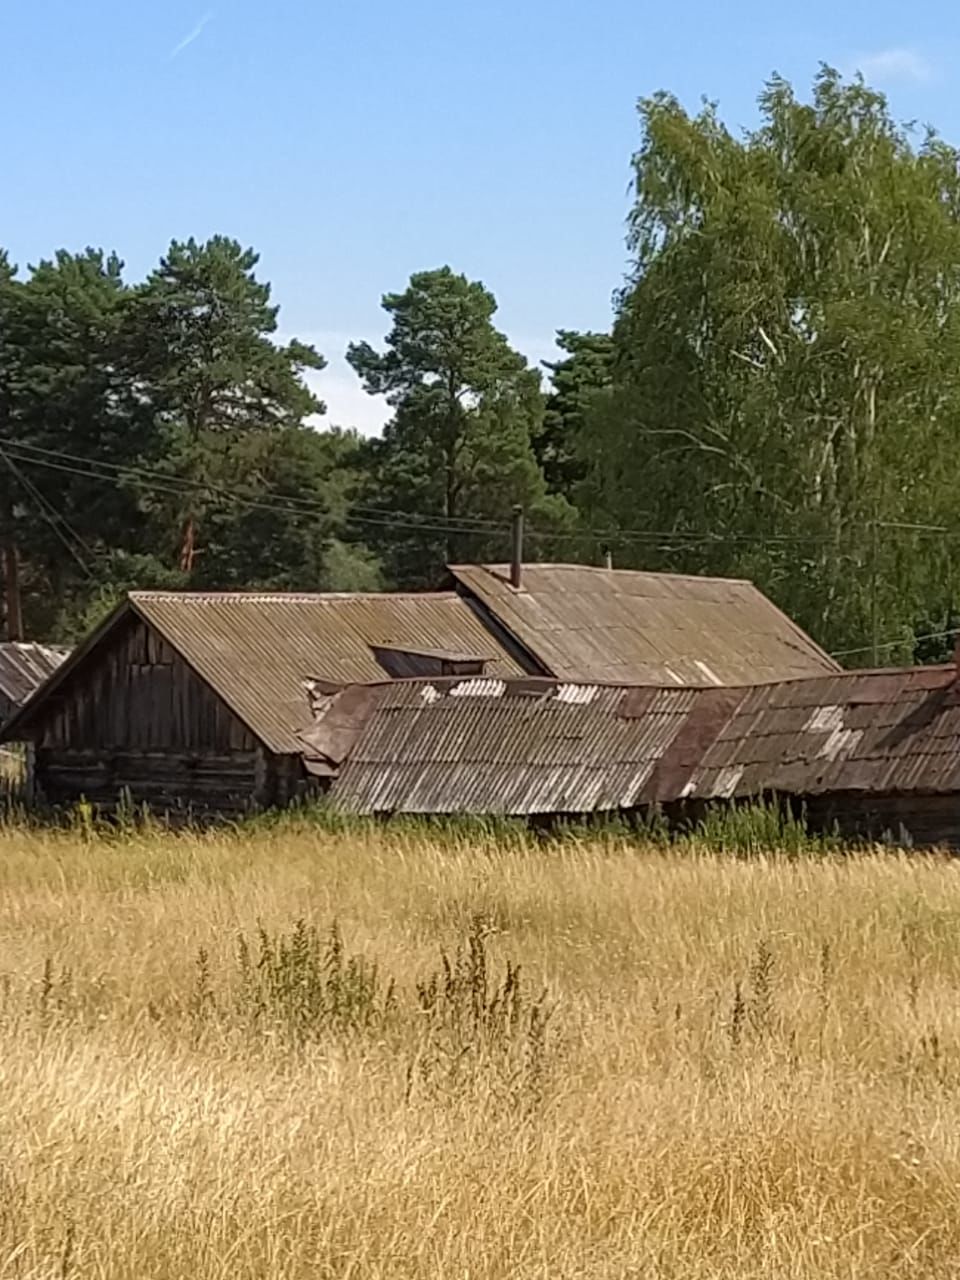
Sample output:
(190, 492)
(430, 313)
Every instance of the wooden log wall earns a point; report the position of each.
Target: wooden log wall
(923, 821)
(135, 718)
(136, 692)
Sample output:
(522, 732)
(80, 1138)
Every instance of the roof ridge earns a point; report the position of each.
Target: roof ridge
(498, 567)
(285, 596)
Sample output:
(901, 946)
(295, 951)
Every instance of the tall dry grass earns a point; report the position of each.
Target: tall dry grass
(749, 1068)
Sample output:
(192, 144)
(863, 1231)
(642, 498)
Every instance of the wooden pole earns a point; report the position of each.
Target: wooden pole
(516, 548)
(11, 567)
(11, 582)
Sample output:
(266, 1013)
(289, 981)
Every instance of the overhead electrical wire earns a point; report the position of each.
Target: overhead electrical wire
(50, 515)
(893, 644)
(157, 481)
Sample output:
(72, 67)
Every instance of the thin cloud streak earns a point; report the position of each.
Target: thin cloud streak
(895, 64)
(195, 34)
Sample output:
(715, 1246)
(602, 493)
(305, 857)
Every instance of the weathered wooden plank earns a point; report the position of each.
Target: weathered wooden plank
(221, 782)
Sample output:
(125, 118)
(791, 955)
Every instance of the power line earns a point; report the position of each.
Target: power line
(893, 644)
(160, 482)
(48, 512)
(676, 540)
(172, 486)
(151, 473)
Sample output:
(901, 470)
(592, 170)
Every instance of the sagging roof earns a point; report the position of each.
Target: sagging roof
(622, 626)
(522, 747)
(23, 667)
(538, 746)
(257, 650)
(876, 731)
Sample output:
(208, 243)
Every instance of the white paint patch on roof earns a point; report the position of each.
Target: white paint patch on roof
(479, 689)
(580, 695)
(726, 782)
(429, 694)
(711, 675)
(824, 720)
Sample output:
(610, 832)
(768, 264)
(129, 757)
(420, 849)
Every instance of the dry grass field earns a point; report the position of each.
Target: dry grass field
(741, 1068)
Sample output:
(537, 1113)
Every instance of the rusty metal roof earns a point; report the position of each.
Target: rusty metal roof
(879, 731)
(621, 626)
(257, 651)
(23, 668)
(538, 745)
(522, 747)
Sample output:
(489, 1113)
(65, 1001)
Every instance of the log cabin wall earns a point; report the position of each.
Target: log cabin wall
(909, 818)
(135, 718)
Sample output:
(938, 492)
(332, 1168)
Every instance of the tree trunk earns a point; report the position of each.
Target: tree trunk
(11, 578)
(11, 570)
(188, 544)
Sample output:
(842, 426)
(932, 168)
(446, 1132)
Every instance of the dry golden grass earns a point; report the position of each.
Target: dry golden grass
(808, 1126)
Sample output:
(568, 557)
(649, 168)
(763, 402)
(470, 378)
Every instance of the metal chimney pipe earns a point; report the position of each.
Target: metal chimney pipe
(516, 549)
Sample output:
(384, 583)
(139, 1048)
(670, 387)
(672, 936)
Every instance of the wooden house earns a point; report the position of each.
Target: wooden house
(194, 701)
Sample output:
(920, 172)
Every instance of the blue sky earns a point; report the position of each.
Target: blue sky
(354, 143)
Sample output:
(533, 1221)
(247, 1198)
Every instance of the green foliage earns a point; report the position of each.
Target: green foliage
(578, 379)
(764, 827)
(785, 386)
(778, 400)
(117, 572)
(460, 444)
(65, 385)
(475, 1023)
(156, 436)
(302, 986)
(203, 329)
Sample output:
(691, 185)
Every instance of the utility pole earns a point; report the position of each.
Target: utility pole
(11, 563)
(11, 570)
(11, 581)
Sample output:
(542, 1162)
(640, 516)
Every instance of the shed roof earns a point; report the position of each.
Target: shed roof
(24, 666)
(256, 650)
(622, 626)
(522, 747)
(873, 731)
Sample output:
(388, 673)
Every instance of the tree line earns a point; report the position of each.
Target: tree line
(776, 398)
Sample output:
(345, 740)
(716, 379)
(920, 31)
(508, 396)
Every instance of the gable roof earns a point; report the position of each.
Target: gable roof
(24, 666)
(867, 731)
(623, 626)
(520, 747)
(256, 651)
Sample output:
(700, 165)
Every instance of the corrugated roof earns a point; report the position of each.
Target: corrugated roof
(529, 746)
(879, 731)
(23, 668)
(533, 746)
(257, 650)
(622, 626)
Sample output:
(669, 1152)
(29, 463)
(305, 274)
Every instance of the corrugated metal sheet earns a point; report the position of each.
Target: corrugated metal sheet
(258, 651)
(23, 668)
(505, 747)
(620, 626)
(878, 732)
(544, 746)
